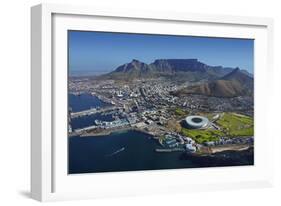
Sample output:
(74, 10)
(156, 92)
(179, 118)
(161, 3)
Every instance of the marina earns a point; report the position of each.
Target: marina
(96, 145)
(92, 111)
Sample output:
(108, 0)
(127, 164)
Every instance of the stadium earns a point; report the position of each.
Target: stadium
(196, 122)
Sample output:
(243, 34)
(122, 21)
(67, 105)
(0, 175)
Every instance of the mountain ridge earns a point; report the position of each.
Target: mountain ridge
(236, 83)
(188, 69)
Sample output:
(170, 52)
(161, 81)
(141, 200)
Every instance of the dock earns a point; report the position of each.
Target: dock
(170, 150)
(92, 111)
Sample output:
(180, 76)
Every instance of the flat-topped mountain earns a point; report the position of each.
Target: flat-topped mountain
(179, 65)
(178, 69)
(216, 80)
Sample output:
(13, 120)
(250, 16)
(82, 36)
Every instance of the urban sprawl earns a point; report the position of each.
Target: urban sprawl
(151, 106)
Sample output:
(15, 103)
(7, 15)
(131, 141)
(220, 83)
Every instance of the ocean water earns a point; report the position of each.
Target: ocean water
(100, 154)
(84, 101)
(132, 150)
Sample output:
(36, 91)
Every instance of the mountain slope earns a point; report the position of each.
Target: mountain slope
(234, 84)
(239, 76)
(134, 69)
(177, 69)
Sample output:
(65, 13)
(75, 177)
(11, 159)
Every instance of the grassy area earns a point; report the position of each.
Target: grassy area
(231, 124)
(201, 136)
(180, 112)
(234, 124)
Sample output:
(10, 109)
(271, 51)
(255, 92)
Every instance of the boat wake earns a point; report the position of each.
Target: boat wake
(116, 152)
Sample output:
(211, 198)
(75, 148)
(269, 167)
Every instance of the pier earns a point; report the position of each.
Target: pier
(92, 111)
(170, 150)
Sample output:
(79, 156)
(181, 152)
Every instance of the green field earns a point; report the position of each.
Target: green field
(201, 136)
(180, 112)
(231, 125)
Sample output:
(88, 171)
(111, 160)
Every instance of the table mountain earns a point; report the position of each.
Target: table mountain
(177, 69)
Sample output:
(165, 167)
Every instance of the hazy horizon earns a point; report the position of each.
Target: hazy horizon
(102, 52)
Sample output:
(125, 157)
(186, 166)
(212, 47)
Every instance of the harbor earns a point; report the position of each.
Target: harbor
(117, 132)
(92, 111)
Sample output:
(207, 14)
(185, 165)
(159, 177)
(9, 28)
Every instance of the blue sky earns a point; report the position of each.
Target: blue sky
(105, 51)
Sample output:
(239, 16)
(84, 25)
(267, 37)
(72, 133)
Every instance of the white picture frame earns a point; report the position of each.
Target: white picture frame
(49, 180)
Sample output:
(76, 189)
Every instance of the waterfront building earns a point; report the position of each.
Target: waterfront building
(190, 148)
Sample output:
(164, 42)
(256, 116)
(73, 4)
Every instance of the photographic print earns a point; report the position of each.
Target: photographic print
(150, 102)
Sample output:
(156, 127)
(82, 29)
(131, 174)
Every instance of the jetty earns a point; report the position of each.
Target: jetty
(170, 150)
(92, 111)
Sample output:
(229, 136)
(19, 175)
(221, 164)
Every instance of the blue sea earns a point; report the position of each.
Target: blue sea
(131, 150)
(84, 101)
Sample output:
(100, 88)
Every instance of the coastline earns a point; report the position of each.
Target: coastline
(229, 148)
(223, 148)
(203, 150)
(109, 132)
